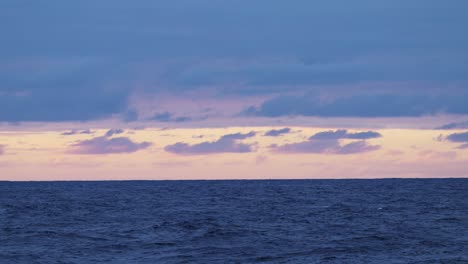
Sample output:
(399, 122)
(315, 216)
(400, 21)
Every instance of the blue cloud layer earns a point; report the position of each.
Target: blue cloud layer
(368, 105)
(78, 61)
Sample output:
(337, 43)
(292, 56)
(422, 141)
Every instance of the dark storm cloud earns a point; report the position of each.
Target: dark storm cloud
(62, 61)
(328, 142)
(277, 132)
(105, 145)
(362, 106)
(226, 144)
(114, 131)
(76, 132)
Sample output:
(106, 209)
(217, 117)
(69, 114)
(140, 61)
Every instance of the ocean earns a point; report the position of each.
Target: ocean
(265, 221)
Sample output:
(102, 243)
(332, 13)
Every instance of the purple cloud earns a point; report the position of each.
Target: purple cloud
(330, 146)
(226, 144)
(458, 137)
(342, 134)
(328, 142)
(169, 117)
(357, 147)
(277, 132)
(311, 146)
(114, 131)
(238, 136)
(455, 125)
(104, 145)
(75, 132)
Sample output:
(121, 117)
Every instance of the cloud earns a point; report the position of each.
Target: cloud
(318, 146)
(455, 125)
(58, 107)
(328, 142)
(42, 88)
(68, 78)
(75, 132)
(277, 132)
(238, 136)
(2, 149)
(458, 137)
(344, 134)
(327, 147)
(105, 145)
(226, 144)
(130, 116)
(368, 105)
(114, 131)
(169, 117)
(357, 147)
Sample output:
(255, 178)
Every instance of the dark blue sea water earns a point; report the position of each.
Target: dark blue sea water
(306, 221)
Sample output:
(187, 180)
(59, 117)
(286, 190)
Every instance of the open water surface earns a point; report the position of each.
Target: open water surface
(302, 221)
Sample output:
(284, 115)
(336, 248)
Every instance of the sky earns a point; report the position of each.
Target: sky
(257, 89)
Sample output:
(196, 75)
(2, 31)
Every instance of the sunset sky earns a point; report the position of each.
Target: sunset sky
(257, 89)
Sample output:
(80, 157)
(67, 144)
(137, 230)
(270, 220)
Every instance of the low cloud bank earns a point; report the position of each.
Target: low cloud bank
(226, 144)
(329, 142)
